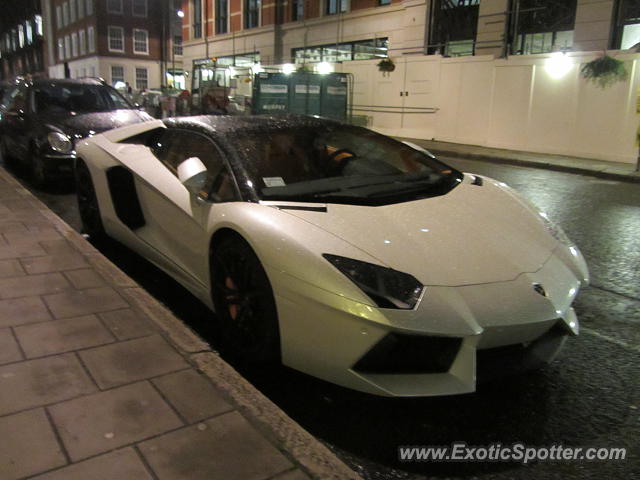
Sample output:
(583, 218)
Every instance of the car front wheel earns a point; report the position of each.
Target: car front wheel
(244, 302)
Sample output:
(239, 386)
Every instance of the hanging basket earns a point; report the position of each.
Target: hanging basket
(604, 71)
(386, 65)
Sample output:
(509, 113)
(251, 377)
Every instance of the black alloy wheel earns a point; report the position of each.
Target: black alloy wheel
(244, 302)
(88, 203)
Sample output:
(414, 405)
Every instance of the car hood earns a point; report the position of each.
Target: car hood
(472, 235)
(87, 124)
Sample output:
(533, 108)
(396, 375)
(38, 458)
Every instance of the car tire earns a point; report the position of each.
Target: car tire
(244, 303)
(88, 205)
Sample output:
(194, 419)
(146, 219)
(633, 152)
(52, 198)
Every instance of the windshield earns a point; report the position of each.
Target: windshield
(341, 164)
(54, 98)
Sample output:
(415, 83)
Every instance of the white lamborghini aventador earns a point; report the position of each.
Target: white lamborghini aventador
(343, 253)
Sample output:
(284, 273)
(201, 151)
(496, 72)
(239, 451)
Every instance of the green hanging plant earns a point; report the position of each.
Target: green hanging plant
(604, 71)
(386, 65)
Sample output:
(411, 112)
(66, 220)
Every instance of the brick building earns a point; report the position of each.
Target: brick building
(122, 41)
(21, 39)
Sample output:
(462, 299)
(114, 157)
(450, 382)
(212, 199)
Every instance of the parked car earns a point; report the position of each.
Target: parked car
(343, 253)
(41, 120)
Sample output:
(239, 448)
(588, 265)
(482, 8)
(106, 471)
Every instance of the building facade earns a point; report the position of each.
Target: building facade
(21, 39)
(126, 42)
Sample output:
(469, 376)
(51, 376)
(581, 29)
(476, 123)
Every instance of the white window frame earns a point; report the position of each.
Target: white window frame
(82, 42)
(65, 14)
(146, 70)
(74, 44)
(73, 11)
(133, 39)
(117, 12)
(89, 7)
(67, 47)
(91, 39)
(111, 28)
(146, 8)
(59, 17)
(123, 74)
(61, 49)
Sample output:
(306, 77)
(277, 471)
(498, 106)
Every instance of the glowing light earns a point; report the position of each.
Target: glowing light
(257, 68)
(574, 251)
(572, 324)
(249, 183)
(425, 230)
(323, 68)
(119, 85)
(180, 13)
(288, 68)
(232, 72)
(558, 312)
(387, 241)
(572, 291)
(544, 215)
(558, 65)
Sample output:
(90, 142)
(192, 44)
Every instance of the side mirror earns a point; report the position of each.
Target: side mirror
(192, 174)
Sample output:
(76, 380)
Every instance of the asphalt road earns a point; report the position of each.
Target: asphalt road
(589, 397)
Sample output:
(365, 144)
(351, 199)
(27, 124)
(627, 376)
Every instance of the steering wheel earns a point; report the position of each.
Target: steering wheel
(340, 163)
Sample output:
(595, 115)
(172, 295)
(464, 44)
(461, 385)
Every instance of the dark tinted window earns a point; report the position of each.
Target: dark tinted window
(172, 147)
(64, 98)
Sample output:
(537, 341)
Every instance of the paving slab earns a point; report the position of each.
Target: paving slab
(132, 360)
(54, 263)
(40, 339)
(10, 268)
(9, 350)
(223, 447)
(20, 251)
(84, 278)
(73, 303)
(19, 311)
(29, 445)
(35, 383)
(122, 464)
(192, 395)
(28, 285)
(126, 324)
(107, 420)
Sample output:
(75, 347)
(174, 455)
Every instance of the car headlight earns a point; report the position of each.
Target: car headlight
(388, 288)
(59, 142)
(555, 230)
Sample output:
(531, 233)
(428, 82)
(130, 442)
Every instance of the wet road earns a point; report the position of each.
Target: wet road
(589, 397)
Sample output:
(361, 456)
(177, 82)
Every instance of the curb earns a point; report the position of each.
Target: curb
(310, 454)
(541, 165)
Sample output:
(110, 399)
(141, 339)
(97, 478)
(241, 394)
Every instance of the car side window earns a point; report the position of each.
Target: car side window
(175, 146)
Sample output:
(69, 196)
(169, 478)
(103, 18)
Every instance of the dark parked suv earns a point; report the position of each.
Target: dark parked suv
(41, 120)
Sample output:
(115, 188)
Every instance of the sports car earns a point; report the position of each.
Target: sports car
(345, 254)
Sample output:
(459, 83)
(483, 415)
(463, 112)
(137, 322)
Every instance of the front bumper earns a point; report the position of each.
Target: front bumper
(58, 165)
(467, 333)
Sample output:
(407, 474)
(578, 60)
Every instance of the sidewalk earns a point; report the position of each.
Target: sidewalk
(624, 172)
(98, 380)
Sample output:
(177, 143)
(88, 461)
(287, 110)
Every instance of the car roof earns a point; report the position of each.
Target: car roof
(65, 81)
(223, 124)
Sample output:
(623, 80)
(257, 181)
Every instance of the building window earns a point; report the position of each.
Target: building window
(139, 8)
(197, 18)
(626, 30)
(454, 27)
(251, 13)
(116, 39)
(89, 7)
(297, 10)
(65, 14)
(38, 20)
(21, 36)
(67, 47)
(117, 74)
(74, 44)
(82, 40)
(80, 9)
(222, 16)
(91, 39)
(343, 52)
(73, 11)
(543, 26)
(177, 45)
(140, 41)
(337, 6)
(61, 49)
(142, 81)
(59, 23)
(114, 6)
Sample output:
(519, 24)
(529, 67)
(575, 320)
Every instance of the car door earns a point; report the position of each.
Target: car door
(15, 125)
(175, 219)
